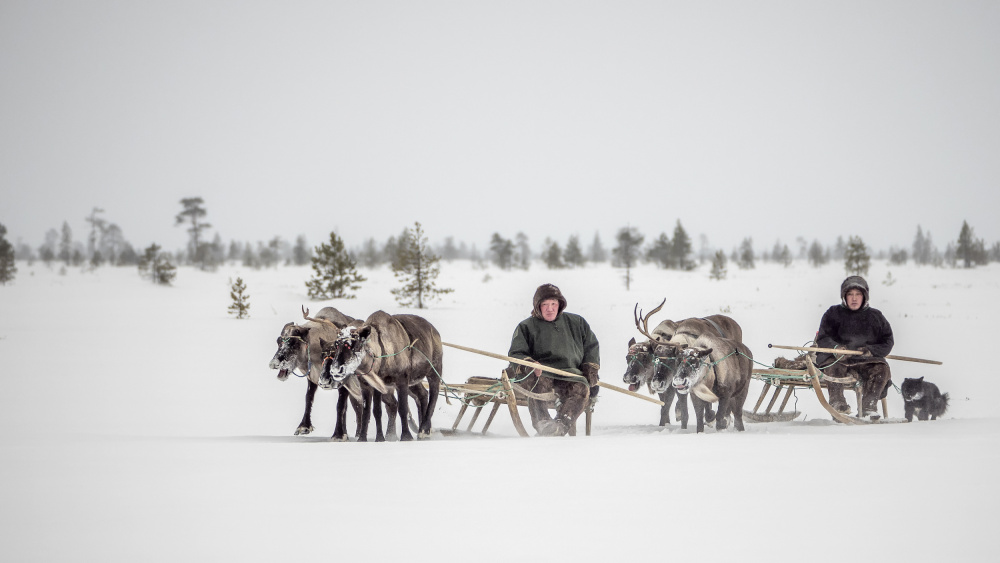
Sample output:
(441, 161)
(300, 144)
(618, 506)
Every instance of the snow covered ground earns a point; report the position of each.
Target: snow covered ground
(141, 423)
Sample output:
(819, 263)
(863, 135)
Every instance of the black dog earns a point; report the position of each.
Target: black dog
(923, 399)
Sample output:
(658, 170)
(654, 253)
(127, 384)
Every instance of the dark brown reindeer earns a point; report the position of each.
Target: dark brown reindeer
(714, 369)
(400, 350)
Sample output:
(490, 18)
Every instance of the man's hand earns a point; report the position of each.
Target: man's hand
(590, 372)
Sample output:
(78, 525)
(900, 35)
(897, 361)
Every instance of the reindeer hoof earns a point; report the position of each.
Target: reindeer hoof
(302, 430)
(340, 439)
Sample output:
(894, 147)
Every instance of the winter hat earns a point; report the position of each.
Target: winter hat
(854, 282)
(546, 291)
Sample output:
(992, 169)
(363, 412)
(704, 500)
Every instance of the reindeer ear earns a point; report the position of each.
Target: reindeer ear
(921, 378)
(631, 342)
(323, 343)
(364, 331)
(705, 352)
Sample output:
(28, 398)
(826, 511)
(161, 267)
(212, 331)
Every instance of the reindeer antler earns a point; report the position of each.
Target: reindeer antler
(644, 329)
(305, 315)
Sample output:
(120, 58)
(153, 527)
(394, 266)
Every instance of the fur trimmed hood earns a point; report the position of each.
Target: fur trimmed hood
(546, 291)
(854, 282)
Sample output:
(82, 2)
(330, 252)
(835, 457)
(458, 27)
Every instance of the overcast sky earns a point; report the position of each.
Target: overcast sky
(763, 119)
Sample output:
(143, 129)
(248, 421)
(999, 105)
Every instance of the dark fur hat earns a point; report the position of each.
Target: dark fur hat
(854, 282)
(546, 291)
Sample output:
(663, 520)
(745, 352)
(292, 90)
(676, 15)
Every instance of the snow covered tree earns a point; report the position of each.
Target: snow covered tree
(417, 267)
(97, 227)
(626, 254)
(856, 258)
(718, 266)
(783, 255)
(156, 266)
(193, 213)
(573, 255)
(241, 299)
(334, 271)
(7, 266)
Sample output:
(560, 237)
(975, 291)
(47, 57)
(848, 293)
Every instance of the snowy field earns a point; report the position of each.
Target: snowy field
(141, 423)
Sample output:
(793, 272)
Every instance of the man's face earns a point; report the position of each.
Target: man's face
(550, 308)
(854, 299)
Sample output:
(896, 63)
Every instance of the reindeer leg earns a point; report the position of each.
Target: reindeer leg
(682, 406)
(667, 397)
(391, 408)
(699, 413)
(722, 414)
(377, 408)
(366, 414)
(306, 426)
(403, 408)
(340, 431)
(358, 418)
(419, 395)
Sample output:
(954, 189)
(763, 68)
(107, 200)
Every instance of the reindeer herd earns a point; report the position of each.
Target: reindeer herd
(386, 359)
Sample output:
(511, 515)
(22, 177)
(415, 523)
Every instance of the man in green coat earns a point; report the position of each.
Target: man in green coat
(560, 340)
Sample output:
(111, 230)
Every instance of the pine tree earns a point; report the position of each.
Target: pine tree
(597, 252)
(522, 257)
(66, 244)
(241, 300)
(745, 258)
(784, 256)
(573, 255)
(680, 248)
(417, 267)
(660, 252)
(334, 272)
(553, 256)
(301, 254)
(502, 251)
(193, 213)
(718, 266)
(155, 266)
(7, 266)
(817, 256)
(970, 251)
(856, 258)
(626, 254)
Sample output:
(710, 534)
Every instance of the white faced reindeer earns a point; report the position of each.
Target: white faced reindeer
(299, 349)
(402, 351)
(712, 370)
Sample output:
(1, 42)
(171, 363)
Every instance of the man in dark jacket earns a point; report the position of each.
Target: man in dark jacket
(854, 325)
(560, 340)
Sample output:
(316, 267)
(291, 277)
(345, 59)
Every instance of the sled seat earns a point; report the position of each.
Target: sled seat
(480, 391)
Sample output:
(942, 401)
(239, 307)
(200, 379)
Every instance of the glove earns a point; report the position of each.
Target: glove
(590, 372)
(865, 352)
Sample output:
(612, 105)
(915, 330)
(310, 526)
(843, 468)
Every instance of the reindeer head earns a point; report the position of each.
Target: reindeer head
(666, 358)
(692, 365)
(638, 364)
(342, 357)
(293, 346)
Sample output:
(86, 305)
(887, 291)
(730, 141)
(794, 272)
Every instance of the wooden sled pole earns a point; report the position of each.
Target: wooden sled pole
(822, 399)
(534, 365)
(845, 352)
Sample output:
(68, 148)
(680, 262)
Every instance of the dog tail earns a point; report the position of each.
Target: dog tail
(943, 404)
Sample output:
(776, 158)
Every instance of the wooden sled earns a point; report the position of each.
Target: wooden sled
(480, 391)
(790, 379)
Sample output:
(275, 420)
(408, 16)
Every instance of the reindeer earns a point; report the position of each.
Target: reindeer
(371, 396)
(299, 349)
(401, 350)
(656, 359)
(714, 369)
